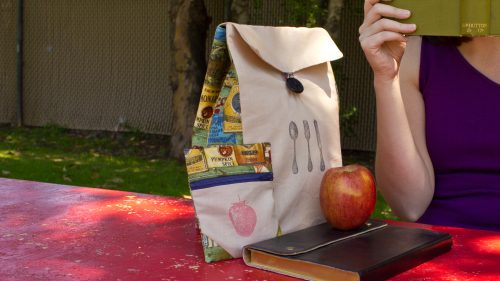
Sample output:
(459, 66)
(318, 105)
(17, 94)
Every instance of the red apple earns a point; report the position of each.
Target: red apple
(347, 196)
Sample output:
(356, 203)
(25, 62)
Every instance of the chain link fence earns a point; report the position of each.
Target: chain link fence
(7, 61)
(104, 64)
(355, 80)
(98, 65)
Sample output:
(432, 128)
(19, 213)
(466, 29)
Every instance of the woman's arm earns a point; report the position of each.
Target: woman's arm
(403, 168)
(404, 171)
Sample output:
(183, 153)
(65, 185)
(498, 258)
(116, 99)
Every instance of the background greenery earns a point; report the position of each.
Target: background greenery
(125, 161)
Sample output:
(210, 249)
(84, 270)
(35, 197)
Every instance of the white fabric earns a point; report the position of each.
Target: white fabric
(215, 205)
(261, 55)
(288, 49)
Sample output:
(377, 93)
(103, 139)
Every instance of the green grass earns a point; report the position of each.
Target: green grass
(132, 162)
(125, 161)
(382, 210)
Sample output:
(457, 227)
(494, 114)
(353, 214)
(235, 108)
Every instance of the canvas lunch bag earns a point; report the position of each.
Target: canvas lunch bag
(266, 129)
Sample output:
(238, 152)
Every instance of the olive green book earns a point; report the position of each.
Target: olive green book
(452, 17)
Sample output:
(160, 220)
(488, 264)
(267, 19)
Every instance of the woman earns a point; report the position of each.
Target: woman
(438, 122)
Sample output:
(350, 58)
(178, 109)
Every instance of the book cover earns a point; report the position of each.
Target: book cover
(452, 17)
(374, 252)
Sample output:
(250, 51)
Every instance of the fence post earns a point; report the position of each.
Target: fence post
(19, 61)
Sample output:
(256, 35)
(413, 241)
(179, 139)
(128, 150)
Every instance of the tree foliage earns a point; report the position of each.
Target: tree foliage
(307, 12)
(312, 13)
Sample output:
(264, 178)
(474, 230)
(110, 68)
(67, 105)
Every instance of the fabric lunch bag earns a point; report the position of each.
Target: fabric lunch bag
(266, 129)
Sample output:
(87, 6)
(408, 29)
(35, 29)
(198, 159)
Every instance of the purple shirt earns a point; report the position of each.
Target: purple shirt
(462, 119)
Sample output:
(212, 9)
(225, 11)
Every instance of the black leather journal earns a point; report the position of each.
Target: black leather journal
(376, 251)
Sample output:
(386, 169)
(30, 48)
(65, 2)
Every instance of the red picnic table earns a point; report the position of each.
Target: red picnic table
(60, 232)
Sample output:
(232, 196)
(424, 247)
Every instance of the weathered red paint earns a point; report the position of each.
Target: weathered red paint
(57, 232)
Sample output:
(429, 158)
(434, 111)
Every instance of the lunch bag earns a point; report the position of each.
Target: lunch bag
(266, 129)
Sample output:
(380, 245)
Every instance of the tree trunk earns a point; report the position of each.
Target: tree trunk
(191, 24)
(240, 11)
(334, 17)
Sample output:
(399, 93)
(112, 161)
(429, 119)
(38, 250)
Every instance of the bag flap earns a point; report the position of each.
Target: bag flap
(311, 238)
(289, 49)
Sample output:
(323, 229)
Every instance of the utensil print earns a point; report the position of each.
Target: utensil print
(318, 137)
(294, 133)
(307, 133)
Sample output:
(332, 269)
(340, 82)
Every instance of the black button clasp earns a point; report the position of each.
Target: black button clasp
(293, 84)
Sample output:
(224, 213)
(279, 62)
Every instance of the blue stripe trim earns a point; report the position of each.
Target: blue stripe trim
(206, 183)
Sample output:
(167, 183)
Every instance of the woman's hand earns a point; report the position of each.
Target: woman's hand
(382, 38)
